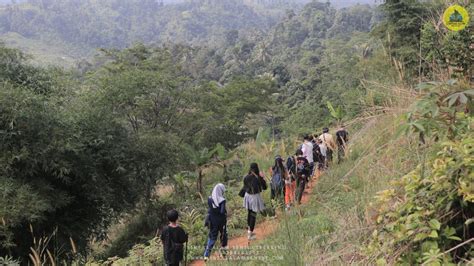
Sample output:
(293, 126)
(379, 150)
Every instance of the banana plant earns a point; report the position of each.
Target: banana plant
(206, 158)
(337, 113)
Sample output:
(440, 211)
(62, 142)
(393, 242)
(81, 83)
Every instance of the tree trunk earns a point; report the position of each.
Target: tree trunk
(226, 173)
(199, 183)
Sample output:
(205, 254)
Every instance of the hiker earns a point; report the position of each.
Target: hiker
(173, 238)
(216, 219)
(254, 183)
(323, 152)
(307, 150)
(302, 172)
(342, 137)
(317, 156)
(290, 182)
(328, 140)
(278, 174)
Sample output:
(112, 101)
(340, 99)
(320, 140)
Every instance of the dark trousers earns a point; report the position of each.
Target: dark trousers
(341, 153)
(276, 192)
(300, 189)
(214, 231)
(251, 219)
(311, 166)
(321, 162)
(329, 155)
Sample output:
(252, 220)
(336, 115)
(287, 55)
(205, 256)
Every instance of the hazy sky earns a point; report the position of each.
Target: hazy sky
(337, 2)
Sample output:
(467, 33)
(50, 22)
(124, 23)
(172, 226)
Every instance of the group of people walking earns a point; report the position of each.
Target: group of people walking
(288, 182)
(312, 157)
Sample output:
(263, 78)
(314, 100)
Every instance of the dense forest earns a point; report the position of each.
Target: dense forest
(180, 96)
(83, 26)
(53, 32)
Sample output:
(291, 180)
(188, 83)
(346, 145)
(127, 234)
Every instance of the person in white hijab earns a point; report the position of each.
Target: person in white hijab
(216, 219)
(218, 195)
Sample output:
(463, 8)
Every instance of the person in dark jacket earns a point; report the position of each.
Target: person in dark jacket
(173, 238)
(254, 183)
(303, 170)
(342, 137)
(217, 219)
(318, 155)
(278, 176)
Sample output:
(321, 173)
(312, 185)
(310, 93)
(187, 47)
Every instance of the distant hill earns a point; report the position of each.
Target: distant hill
(77, 28)
(120, 23)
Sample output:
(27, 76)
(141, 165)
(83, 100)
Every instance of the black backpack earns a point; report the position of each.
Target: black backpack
(341, 136)
(302, 168)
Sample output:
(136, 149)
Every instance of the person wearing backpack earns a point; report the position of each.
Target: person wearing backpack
(303, 170)
(290, 182)
(173, 238)
(254, 184)
(278, 173)
(328, 140)
(318, 157)
(323, 152)
(216, 219)
(342, 137)
(307, 150)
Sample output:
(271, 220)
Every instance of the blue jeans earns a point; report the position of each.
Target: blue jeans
(214, 231)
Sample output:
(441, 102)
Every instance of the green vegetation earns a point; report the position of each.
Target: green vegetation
(428, 212)
(83, 26)
(93, 156)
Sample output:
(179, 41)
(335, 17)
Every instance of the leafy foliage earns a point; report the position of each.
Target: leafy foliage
(400, 30)
(426, 214)
(337, 113)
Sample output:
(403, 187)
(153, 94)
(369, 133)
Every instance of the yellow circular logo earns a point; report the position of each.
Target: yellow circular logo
(455, 18)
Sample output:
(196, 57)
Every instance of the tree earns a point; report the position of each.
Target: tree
(400, 31)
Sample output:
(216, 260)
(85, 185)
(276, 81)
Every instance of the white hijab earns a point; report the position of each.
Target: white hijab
(218, 195)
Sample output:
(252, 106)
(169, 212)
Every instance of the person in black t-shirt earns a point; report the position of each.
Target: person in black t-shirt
(173, 238)
(342, 137)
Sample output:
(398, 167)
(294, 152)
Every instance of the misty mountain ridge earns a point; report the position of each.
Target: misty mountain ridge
(62, 31)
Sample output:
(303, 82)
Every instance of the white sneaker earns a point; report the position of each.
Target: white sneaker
(251, 236)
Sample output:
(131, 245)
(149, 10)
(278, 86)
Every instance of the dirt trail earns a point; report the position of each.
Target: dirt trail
(262, 230)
